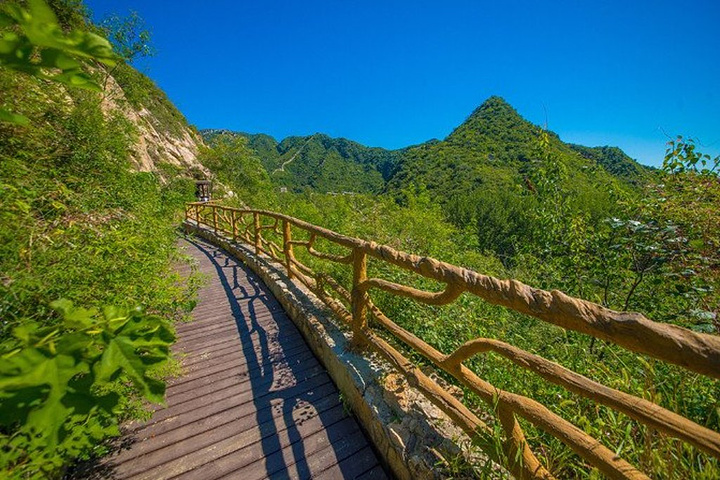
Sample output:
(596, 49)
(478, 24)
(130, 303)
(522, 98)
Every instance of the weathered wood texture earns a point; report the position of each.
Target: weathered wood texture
(253, 401)
(694, 351)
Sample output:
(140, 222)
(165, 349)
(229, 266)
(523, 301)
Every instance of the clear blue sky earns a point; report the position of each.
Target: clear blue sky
(395, 73)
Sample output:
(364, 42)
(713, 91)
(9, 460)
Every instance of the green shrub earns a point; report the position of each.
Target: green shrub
(63, 386)
(76, 222)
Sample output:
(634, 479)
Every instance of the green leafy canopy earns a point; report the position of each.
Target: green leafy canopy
(32, 42)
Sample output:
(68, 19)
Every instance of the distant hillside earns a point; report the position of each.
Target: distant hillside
(494, 148)
(495, 145)
(616, 162)
(496, 157)
(322, 163)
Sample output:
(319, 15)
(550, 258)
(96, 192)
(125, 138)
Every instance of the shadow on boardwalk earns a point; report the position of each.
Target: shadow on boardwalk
(257, 301)
(254, 402)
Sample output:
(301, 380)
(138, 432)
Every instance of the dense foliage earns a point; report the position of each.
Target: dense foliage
(505, 198)
(320, 163)
(233, 164)
(80, 230)
(77, 227)
(59, 382)
(616, 162)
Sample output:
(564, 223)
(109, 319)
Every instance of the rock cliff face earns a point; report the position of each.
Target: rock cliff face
(154, 146)
(157, 141)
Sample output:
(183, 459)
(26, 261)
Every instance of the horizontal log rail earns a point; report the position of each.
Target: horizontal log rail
(696, 352)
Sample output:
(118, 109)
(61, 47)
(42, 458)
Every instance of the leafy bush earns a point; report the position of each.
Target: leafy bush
(62, 387)
(77, 223)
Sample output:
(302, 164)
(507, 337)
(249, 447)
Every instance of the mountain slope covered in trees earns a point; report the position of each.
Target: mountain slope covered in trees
(495, 169)
(494, 149)
(616, 162)
(321, 163)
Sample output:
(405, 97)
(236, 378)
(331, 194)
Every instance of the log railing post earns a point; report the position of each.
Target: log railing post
(359, 298)
(233, 225)
(288, 248)
(522, 462)
(215, 218)
(197, 214)
(256, 222)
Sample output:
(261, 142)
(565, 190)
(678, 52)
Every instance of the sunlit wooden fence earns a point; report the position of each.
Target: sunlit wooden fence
(694, 351)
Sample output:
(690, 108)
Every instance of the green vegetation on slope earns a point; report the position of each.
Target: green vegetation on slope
(235, 165)
(504, 198)
(320, 163)
(79, 232)
(616, 162)
(499, 176)
(142, 93)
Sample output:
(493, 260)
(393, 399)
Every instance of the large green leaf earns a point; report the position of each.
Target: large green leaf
(30, 380)
(121, 356)
(38, 30)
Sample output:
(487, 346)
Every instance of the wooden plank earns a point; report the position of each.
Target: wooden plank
(241, 368)
(273, 355)
(253, 401)
(230, 331)
(222, 344)
(229, 349)
(316, 454)
(185, 454)
(307, 371)
(279, 452)
(238, 392)
(375, 473)
(169, 422)
(352, 466)
(242, 417)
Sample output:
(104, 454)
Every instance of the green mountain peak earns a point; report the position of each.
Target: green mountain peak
(497, 130)
(494, 105)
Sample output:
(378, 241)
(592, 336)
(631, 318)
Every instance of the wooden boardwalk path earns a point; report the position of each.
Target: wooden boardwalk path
(253, 402)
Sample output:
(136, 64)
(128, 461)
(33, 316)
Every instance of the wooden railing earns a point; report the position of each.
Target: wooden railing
(694, 351)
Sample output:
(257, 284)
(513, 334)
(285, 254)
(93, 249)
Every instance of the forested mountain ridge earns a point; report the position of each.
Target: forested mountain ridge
(496, 153)
(494, 139)
(495, 136)
(616, 162)
(321, 163)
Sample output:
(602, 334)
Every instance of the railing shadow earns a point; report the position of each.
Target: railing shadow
(268, 340)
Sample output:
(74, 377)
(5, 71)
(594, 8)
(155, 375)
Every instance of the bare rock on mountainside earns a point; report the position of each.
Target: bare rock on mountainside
(154, 146)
